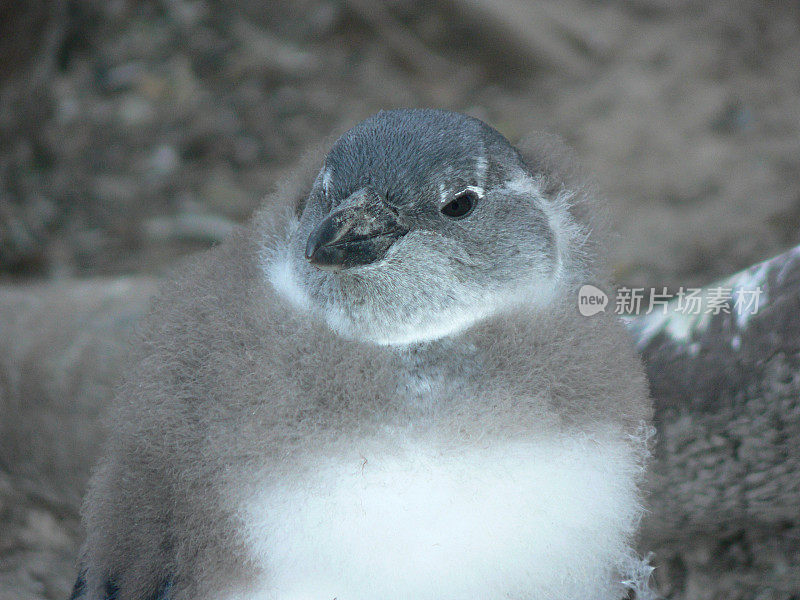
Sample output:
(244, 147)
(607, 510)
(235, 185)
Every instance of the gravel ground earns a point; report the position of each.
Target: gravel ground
(134, 132)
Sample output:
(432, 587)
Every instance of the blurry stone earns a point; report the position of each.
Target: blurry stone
(152, 86)
(43, 529)
(733, 117)
(266, 52)
(135, 110)
(222, 194)
(188, 227)
(89, 242)
(183, 86)
(24, 28)
(225, 121)
(122, 77)
(164, 160)
(288, 100)
(56, 378)
(246, 150)
(116, 189)
(187, 13)
(23, 231)
(68, 109)
(322, 20)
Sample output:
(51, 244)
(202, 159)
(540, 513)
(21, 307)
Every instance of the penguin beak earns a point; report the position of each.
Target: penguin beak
(359, 232)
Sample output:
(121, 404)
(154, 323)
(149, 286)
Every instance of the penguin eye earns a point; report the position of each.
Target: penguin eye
(461, 205)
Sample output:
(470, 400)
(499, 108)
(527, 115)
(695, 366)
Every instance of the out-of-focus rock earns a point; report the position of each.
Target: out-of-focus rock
(61, 349)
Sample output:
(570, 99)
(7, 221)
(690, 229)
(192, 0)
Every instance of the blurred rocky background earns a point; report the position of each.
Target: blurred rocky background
(135, 131)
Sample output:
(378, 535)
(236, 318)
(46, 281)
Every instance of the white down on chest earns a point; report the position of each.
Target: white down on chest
(525, 520)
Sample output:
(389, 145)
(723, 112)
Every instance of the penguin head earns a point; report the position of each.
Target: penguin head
(421, 223)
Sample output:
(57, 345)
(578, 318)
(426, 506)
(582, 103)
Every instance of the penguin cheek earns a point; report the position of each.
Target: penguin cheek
(424, 249)
(528, 235)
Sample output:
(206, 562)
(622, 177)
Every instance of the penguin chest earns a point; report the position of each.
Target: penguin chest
(545, 519)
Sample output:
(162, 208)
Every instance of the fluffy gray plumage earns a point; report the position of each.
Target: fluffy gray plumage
(417, 410)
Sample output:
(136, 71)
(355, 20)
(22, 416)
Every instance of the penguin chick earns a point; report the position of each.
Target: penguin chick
(382, 388)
